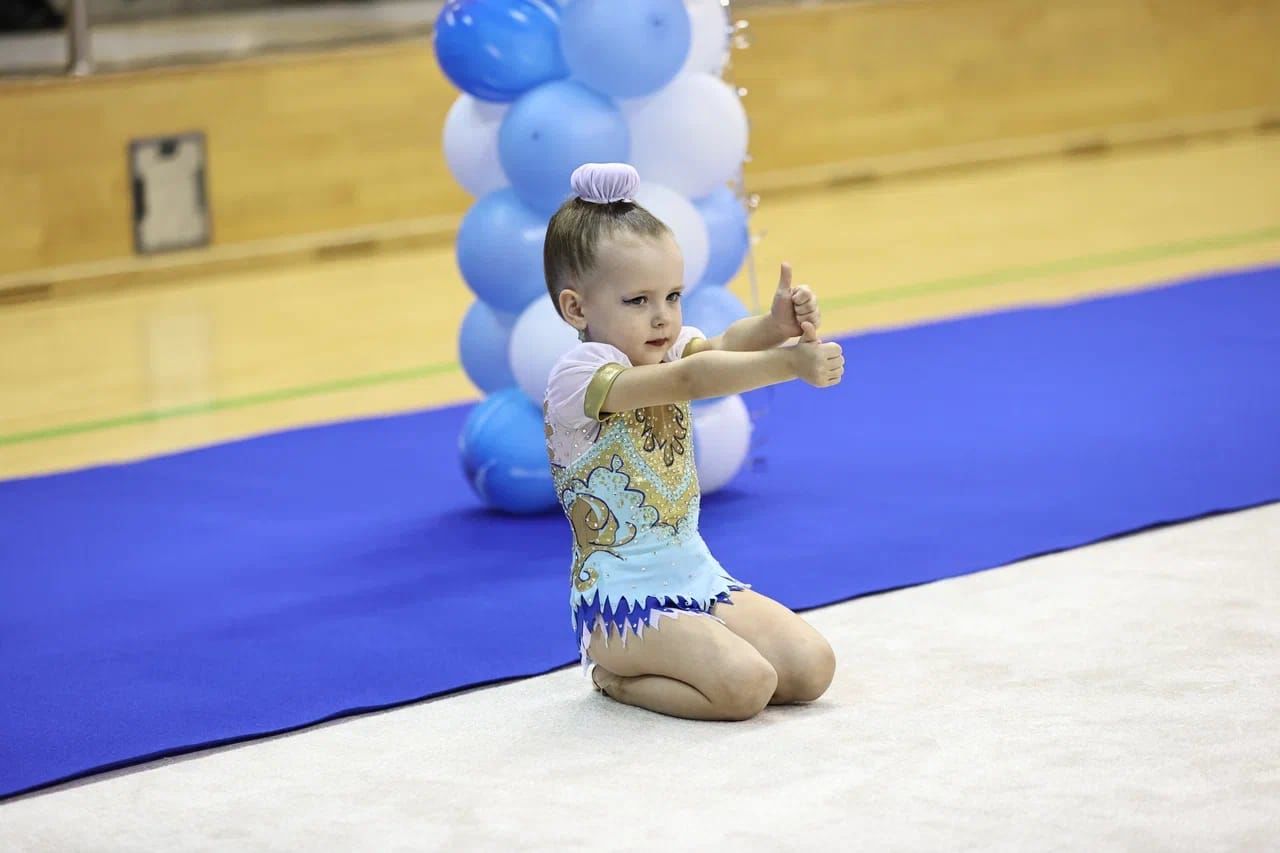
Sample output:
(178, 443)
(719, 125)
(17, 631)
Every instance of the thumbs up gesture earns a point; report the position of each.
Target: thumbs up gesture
(793, 306)
(820, 364)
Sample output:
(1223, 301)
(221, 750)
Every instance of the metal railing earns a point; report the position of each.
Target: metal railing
(87, 37)
(202, 41)
(79, 43)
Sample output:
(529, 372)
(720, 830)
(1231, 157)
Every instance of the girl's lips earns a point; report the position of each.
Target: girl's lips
(657, 342)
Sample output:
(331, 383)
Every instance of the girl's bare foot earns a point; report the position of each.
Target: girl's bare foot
(598, 677)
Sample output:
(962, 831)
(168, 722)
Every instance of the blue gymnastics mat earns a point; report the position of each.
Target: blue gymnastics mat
(155, 608)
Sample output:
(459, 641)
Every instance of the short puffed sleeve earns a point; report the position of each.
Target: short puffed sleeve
(580, 382)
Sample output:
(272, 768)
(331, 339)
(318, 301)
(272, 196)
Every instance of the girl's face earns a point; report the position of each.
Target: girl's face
(632, 298)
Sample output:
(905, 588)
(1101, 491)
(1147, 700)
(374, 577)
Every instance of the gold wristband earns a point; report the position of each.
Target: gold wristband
(695, 346)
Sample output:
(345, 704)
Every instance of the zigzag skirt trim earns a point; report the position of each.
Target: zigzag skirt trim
(627, 619)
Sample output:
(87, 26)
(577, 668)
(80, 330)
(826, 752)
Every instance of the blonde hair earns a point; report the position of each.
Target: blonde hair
(575, 232)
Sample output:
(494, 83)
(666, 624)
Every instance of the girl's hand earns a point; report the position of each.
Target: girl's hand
(819, 364)
(793, 307)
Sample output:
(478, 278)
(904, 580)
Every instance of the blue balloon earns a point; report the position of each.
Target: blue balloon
(726, 219)
(713, 309)
(482, 347)
(499, 49)
(553, 130)
(625, 49)
(504, 454)
(499, 251)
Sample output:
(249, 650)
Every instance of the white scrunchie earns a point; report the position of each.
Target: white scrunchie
(605, 183)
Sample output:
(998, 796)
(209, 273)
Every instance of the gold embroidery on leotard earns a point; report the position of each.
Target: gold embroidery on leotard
(669, 487)
(595, 528)
(661, 429)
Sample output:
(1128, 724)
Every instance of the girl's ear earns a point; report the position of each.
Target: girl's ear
(571, 309)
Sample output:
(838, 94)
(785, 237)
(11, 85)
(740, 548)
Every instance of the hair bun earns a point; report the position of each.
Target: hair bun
(604, 183)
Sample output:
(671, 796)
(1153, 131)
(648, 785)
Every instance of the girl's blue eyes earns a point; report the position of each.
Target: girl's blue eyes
(640, 300)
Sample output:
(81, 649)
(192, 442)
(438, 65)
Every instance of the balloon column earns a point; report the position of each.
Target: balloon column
(546, 86)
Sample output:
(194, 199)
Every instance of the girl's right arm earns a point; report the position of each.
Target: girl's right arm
(720, 373)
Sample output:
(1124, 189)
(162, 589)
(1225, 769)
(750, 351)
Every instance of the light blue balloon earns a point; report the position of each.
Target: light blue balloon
(499, 49)
(625, 49)
(482, 347)
(499, 251)
(504, 454)
(726, 219)
(553, 130)
(713, 309)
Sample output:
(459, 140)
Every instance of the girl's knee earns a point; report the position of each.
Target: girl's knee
(745, 688)
(811, 676)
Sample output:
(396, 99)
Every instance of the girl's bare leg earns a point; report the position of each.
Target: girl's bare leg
(686, 666)
(800, 655)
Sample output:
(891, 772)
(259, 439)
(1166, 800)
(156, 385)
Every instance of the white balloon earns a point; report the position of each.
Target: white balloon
(709, 36)
(685, 222)
(721, 440)
(471, 144)
(538, 340)
(691, 136)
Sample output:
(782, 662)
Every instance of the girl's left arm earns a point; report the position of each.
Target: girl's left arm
(791, 308)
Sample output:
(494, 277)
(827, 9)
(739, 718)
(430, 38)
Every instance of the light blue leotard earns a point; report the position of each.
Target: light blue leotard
(629, 487)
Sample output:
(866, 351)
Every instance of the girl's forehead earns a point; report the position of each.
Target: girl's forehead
(636, 244)
(630, 254)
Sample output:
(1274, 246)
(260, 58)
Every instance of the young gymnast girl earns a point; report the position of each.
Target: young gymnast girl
(649, 602)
